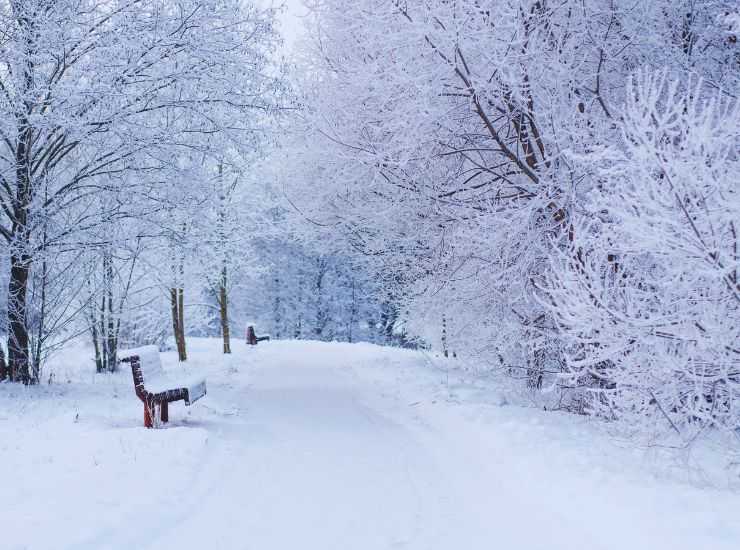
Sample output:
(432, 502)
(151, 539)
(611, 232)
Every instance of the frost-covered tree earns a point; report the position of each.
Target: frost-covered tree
(466, 150)
(93, 90)
(650, 300)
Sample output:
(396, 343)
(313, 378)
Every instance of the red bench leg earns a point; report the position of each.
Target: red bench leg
(148, 415)
(151, 411)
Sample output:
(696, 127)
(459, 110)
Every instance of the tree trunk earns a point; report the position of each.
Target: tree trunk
(92, 318)
(178, 321)
(181, 350)
(353, 311)
(322, 314)
(20, 266)
(40, 336)
(96, 343)
(277, 317)
(223, 308)
(103, 340)
(110, 328)
(445, 351)
(223, 305)
(175, 320)
(18, 353)
(20, 259)
(3, 365)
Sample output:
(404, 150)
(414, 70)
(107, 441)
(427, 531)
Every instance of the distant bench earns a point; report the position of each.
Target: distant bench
(156, 388)
(252, 338)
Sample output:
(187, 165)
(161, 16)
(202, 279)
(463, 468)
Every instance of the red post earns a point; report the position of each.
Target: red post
(148, 415)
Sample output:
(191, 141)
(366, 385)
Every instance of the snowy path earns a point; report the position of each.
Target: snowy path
(313, 465)
(317, 446)
(310, 466)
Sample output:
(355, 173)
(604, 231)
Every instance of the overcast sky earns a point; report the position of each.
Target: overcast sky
(291, 21)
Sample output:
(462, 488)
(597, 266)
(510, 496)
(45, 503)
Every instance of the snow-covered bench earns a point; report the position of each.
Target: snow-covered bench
(156, 388)
(252, 338)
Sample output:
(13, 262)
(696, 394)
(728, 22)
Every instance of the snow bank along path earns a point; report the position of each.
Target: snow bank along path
(330, 446)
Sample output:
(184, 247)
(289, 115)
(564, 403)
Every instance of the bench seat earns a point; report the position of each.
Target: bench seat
(193, 386)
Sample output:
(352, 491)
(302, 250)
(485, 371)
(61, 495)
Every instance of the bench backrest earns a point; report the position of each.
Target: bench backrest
(149, 362)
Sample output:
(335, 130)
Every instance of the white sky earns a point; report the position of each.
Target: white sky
(291, 24)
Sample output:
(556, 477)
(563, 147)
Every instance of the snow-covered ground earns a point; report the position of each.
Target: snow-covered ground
(303, 445)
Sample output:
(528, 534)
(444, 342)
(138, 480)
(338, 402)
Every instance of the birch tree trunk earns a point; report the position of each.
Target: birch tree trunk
(224, 311)
(177, 303)
(445, 350)
(276, 305)
(95, 339)
(111, 340)
(353, 311)
(181, 350)
(223, 304)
